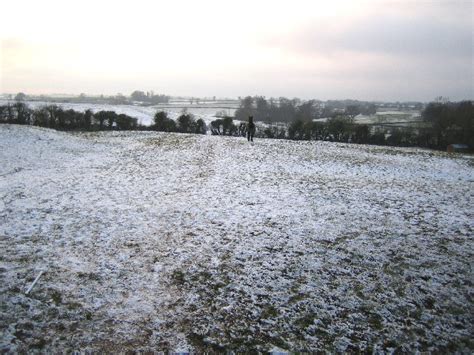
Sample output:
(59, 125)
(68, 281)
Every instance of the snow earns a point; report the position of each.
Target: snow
(389, 117)
(155, 241)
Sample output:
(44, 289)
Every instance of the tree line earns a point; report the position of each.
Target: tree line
(450, 122)
(443, 123)
(53, 116)
(149, 97)
(186, 123)
(144, 98)
(289, 110)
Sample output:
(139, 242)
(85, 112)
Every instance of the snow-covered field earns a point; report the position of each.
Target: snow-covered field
(390, 117)
(154, 241)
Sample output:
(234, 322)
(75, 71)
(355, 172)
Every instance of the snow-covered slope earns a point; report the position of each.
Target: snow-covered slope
(154, 241)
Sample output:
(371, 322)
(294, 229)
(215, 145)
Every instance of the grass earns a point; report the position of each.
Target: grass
(178, 277)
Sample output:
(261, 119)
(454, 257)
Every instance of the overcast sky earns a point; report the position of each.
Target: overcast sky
(368, 50)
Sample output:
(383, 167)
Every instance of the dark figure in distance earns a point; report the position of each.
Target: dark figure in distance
(250, 129)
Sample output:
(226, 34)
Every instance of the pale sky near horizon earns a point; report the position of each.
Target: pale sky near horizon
(366, 50)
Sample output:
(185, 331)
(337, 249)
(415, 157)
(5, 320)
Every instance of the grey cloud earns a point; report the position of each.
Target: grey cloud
(418, 37)
(419, 55)
(386, 34)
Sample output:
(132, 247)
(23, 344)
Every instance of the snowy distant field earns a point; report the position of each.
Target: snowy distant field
(154, 241)
(390, 117)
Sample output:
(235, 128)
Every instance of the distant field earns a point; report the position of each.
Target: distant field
(153, 241)
(391, 117)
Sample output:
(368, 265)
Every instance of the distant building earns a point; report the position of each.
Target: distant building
(458, 148)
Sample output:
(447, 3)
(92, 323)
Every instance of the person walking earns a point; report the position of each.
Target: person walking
(250, 129)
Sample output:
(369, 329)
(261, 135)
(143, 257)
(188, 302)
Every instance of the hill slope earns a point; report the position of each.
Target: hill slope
(168, 241)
